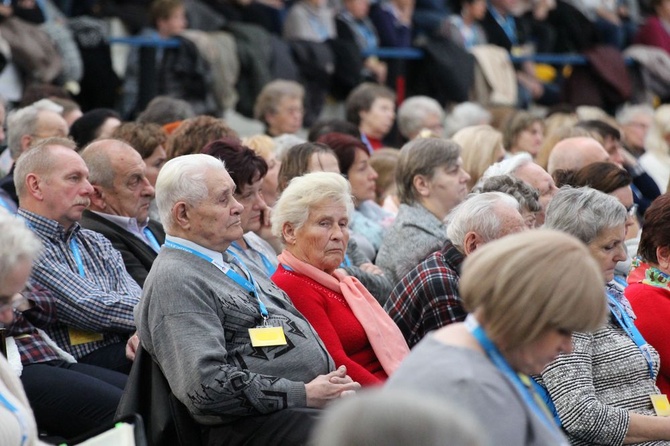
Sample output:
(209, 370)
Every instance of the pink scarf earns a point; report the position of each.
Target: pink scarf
(384, 335)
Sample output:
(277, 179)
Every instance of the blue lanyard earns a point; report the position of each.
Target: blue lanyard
(501, 363)
(506, 23)
(248, 285)
(346, 262)
(317, 25)
(626, 323)
(269, 267)
(22, 422)
(621, 281)
(77, 256)
(5, 205)
(366, 141)
(152, 239)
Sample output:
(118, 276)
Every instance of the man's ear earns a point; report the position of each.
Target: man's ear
(98, 198)
(34, 186)
(422, 185)
(25, 142)
(471, 242)
(288, 233)
(180, 215)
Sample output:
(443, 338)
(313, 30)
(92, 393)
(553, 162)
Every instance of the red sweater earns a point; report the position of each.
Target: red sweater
(653, 33)
(335, 324)
(652, 308)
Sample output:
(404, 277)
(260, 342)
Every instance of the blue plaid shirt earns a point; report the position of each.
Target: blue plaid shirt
(101, 302)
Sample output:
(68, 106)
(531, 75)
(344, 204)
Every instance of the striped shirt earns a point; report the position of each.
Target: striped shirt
(597, 386)
(101, 302)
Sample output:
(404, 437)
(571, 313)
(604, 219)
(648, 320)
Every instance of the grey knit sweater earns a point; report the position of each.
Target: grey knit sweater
(194, 322)
(415, 234)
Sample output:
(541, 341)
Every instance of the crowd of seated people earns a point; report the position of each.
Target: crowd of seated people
(227, 52)
(514, 265)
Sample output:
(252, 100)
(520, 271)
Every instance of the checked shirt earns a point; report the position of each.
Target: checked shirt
(427, 297)
(101, 302)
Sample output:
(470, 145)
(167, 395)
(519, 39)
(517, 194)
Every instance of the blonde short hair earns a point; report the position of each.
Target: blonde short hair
(479, 144)
(525, 284)
(263, 145)
(305, 192)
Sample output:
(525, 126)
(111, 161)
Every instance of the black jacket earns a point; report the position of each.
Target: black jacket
(137, 255)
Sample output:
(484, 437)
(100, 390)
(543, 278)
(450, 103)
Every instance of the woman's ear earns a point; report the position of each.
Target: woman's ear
(663, 257)
(422, 185)
(288, 233)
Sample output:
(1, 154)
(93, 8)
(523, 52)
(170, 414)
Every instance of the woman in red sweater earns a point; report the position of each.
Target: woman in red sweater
(655, 30)
(649, 292)
(312, 218)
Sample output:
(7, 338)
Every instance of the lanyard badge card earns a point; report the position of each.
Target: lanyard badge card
(267, 336)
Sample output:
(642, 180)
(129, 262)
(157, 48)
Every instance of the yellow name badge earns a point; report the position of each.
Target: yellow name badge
(78, 337)
(661, 405)
(267, 336)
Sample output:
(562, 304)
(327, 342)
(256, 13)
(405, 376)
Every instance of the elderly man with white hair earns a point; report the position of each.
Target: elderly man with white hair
(427, 297)
(233, 348)
(419, 113)
(25, 127)
(521, 166)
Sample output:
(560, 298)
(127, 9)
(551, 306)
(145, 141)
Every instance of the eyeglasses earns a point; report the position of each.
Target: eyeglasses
(632, 210)
(12, 302)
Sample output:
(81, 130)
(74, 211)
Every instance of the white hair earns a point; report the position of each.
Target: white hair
(584, 212)
(23, 121)
(183, 179)
(464, 115)
(412, 114)
(393, 417)
(478, 214)
(655, 141)
(508, 166)
(284, 142)
(17, 243)
(305, 192)
(628, 112)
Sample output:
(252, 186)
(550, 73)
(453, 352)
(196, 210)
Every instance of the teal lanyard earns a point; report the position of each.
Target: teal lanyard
(269, 267)
(77, 256)
(248, 285)
(506, 23)
(627, 324)
(5, 205)
(346, 262)
(501, 364)
(19, 416)
(152, 239)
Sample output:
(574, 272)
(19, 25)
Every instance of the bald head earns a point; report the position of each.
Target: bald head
(537, 177)
(100, 158)
(118, 175)
(575, 153)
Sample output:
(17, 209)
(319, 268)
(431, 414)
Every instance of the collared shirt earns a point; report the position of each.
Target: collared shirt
(259, 252)
(129, 224)
(216, 256)
(30, 343)
(101, 302)
(427, 297)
